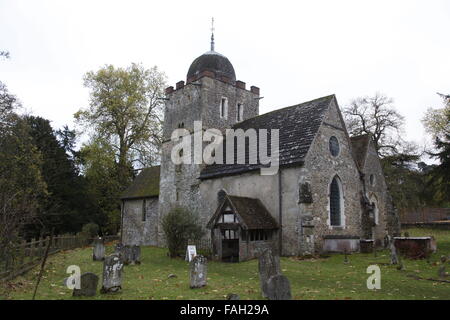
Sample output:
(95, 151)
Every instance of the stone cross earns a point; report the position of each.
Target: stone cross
(112, 274)
(268, 265)
(99, 250)
(198, 272)
(88, 285)
(278, 288)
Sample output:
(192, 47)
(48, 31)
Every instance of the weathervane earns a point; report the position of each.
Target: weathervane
(212, 34)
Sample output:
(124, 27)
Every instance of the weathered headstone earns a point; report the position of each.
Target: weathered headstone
(278, 288)
(88, 285)
(198, 272)
(99, 250)
(136, 254)
(112, 274)
(125, 254)
(442, 272)
(118, 248)
(268, 265)
(387, 241)
(394, 255)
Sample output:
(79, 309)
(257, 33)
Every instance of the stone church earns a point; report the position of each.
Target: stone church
(328, 195)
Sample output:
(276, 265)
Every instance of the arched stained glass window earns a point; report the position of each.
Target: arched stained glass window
(335, 203)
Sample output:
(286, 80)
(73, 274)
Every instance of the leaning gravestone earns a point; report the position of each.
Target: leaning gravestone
(268, 265)
(442, 272)
(88, 285)
(198, 272)
(99, 250)
(112, 274)
(394, 255)
(135, 254)
(127, 254)
(278, 288)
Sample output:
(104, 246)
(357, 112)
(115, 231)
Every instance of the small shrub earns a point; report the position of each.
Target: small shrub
(89, 230)
(179, 226)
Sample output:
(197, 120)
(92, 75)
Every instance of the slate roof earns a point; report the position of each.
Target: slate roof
(298, 126)
(145, 185)
(250, 211)
(360, 145)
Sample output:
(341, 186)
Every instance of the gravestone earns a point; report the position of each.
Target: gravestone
(394, 255)
(442, 272)
(88, 285)
(387, 241)
(99, 250)
(278, 288)
(112, 274)
(125, 254)
(135, 254)
(198, 272)
(268, 265)
(118, 248)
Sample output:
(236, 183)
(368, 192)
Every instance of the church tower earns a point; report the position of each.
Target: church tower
(212, 95)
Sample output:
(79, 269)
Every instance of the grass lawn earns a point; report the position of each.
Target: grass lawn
(324, 278)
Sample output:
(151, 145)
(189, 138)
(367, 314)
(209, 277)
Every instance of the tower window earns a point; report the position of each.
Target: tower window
(224, 108)
(239, 112)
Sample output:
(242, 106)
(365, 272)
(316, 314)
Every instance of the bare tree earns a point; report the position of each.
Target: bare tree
(377, 116)
(4, 54)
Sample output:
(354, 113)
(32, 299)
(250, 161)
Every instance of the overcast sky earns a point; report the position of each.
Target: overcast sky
(294, 51)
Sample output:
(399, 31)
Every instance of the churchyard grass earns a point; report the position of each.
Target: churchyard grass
(314, 278)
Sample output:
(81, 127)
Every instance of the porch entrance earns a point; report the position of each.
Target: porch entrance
(230, 245)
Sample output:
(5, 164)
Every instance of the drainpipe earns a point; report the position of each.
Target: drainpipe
(280, 212)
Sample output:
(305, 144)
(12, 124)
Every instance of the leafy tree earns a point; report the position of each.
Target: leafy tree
(68, 205)
(99, 168)
(436, 119)
(21, 181)
(125, 112)
(179, 226)
(406, 183)
(440, 174)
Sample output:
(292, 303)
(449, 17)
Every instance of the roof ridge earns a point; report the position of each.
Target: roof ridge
(288, 107)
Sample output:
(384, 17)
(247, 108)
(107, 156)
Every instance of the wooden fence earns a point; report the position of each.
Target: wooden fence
(204, 245)
(23, 256)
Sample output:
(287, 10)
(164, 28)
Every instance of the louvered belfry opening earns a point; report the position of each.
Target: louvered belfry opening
(335, 203)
